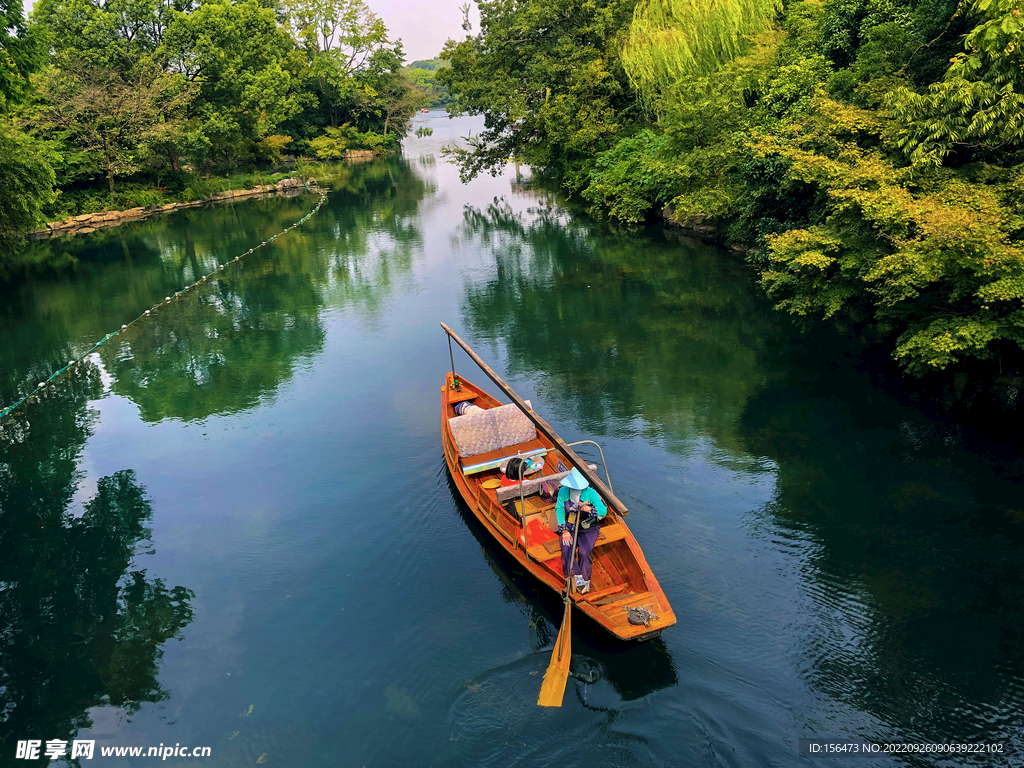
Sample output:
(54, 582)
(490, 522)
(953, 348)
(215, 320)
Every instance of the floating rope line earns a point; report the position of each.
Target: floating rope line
(167, 300)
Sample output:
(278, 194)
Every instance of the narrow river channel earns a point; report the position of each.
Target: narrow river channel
(233, 527)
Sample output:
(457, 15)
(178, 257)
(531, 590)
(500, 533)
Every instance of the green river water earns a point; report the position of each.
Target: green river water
(233, 526)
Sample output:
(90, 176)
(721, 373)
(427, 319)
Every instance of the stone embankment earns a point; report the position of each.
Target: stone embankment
(701, 226)
(90, 222)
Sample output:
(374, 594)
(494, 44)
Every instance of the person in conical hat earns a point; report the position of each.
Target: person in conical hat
(576, 497)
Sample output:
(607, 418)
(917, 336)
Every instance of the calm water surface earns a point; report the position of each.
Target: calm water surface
(233, 527)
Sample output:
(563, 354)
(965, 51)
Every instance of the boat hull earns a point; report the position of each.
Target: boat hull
(622, 579)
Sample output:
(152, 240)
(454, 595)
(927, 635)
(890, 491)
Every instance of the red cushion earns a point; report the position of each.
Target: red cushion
(538, 532)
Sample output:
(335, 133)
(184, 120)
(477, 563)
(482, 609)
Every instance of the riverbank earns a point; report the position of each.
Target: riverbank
(90, 222)
(977, 396)
(79, 210)
(870, 193)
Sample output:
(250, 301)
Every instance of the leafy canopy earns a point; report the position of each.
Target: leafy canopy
(547, 77)
(673, 39)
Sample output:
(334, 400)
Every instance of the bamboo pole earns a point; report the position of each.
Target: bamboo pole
(544, 428)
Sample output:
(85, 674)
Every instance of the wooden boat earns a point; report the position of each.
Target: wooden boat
(521, 522)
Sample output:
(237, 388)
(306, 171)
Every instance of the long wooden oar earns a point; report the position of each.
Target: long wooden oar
(543, 427)
(552, 690)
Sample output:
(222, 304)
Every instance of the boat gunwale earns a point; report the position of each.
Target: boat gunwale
(480, 503)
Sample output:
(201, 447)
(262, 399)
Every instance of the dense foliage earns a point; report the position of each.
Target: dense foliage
(25, 165)
(868, 153)
(548, 79)
(423, 76)
(98, 91)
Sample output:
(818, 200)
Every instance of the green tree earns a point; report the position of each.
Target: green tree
(26, 166)
(423, 77)
(929, 260)
(547, 77)
(386, 96)
(978, 106)
(425, 82)
(341, 38)
(109, 117)
(237, 55)
(398, 101)
(21, 53)
(112, 34)
(672, 39)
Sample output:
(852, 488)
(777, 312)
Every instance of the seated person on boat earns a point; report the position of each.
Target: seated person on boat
(576, 497)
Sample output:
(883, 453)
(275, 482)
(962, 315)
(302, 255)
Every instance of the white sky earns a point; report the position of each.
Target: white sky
(423, 25)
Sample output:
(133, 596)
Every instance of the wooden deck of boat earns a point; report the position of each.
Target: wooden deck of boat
(621, 577)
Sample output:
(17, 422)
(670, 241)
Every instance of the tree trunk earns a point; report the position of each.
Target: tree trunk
(330, 102)
(109, 157)
(190, 252)
(127, 253)
(172, 155)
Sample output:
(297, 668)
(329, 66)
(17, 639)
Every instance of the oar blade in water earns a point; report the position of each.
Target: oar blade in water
(553, 688)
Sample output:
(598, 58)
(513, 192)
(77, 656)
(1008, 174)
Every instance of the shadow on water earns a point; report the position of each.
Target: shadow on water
(81, 623)
(494, 718)
(634, 670)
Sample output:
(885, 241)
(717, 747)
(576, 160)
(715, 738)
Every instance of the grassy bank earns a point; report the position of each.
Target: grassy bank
(144, 190)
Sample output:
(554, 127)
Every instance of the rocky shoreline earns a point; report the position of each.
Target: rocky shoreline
(90, 222)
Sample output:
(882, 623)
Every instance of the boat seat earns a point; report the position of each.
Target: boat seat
(491, 430)
(458, 396)
(610, 532)
(494, 459)
(531, 486)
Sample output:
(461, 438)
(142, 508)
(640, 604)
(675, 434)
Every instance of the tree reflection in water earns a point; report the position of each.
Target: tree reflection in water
(915, 536)
(81, 625)
(674, 335)
(197, 358)
(222, 348)
(909, 535)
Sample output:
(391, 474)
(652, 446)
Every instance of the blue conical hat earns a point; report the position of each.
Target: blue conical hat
(575, 480)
